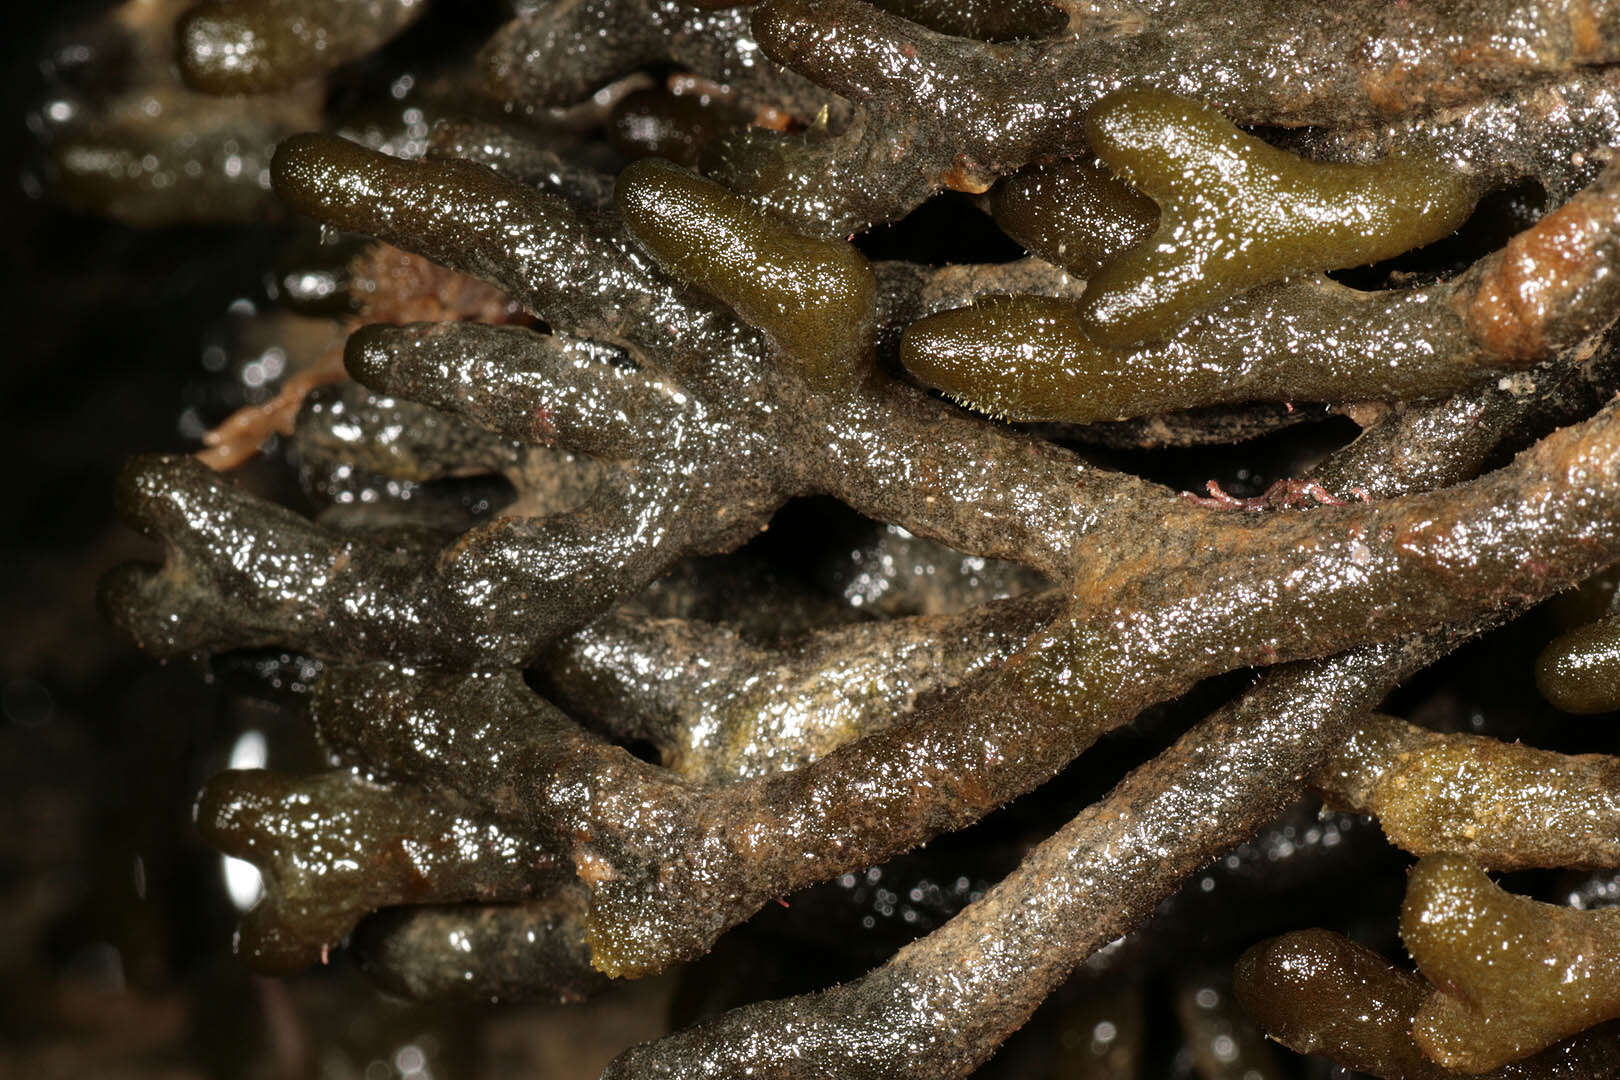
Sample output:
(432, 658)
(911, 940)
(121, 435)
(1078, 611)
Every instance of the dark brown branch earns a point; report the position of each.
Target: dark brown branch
(975, 111)
(942, 1005)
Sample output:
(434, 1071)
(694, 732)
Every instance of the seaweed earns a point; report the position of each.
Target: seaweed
(1510, 976)
(1234, 212)
(581, 734)
(1505, 805)
(1580, 671)
(1318, 992)
(1310, 340)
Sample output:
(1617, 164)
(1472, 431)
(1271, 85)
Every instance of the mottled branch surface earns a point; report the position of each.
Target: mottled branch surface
(986, 970)
(978, 110)
(606, 672)
(1506, 805)
(1124, 643)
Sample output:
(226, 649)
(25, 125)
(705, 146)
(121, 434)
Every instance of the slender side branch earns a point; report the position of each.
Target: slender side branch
(975, 110)
(943, 1004)
(1507, 806)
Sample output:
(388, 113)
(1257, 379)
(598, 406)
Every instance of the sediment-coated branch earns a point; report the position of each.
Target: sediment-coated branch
(333, 848)
(975, 110)
(943, 1004)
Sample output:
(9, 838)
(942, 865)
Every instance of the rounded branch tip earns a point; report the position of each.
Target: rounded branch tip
(816, 299)
(1236, 212)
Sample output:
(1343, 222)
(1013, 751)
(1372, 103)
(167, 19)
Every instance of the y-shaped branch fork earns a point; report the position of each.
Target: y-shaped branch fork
(1232, 590)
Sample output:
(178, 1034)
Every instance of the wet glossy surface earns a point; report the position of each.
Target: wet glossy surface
(1236, 213)
(976, 110)
(719, 710)
(1318, 992)
(251, 46)
(1031, 358)
(523, 951)
(334, 848)
(1076, 214)
(1580, 671)
(557, 54)
(1036, 358)
(1506, 805)
(1512, 975)
(640, 422)
(815, 298)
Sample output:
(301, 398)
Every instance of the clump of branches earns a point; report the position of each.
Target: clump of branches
(658, 357)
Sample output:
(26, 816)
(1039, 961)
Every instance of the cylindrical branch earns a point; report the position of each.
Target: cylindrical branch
(1579, 672)
(1029, 358)
(1366, 64)
(834, 182)
(508, 752)
(974, 110)
(1306, 857)
(1555, 132)
(1127, 642)
(243, 572)
(522, 156)
(246, 574)
(1074, 213)
(1551, 287)
(1512, 976)
(718, 709)
(1236, 212)
(535, 246)
(539, 947)
(1506, 805)
(429, 953)
(562, 52)
(378, 846)
(1087, 671)
(908, 291)
(204, 598)
(1317, 992)
(538, 388)
(814, 298)
(1444, 443)
(522, 951)
(1320, 685)
(1267, 589)
(348, 427)
(380, 283)
(251, 46)
(942, 1004)
(897, 455)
